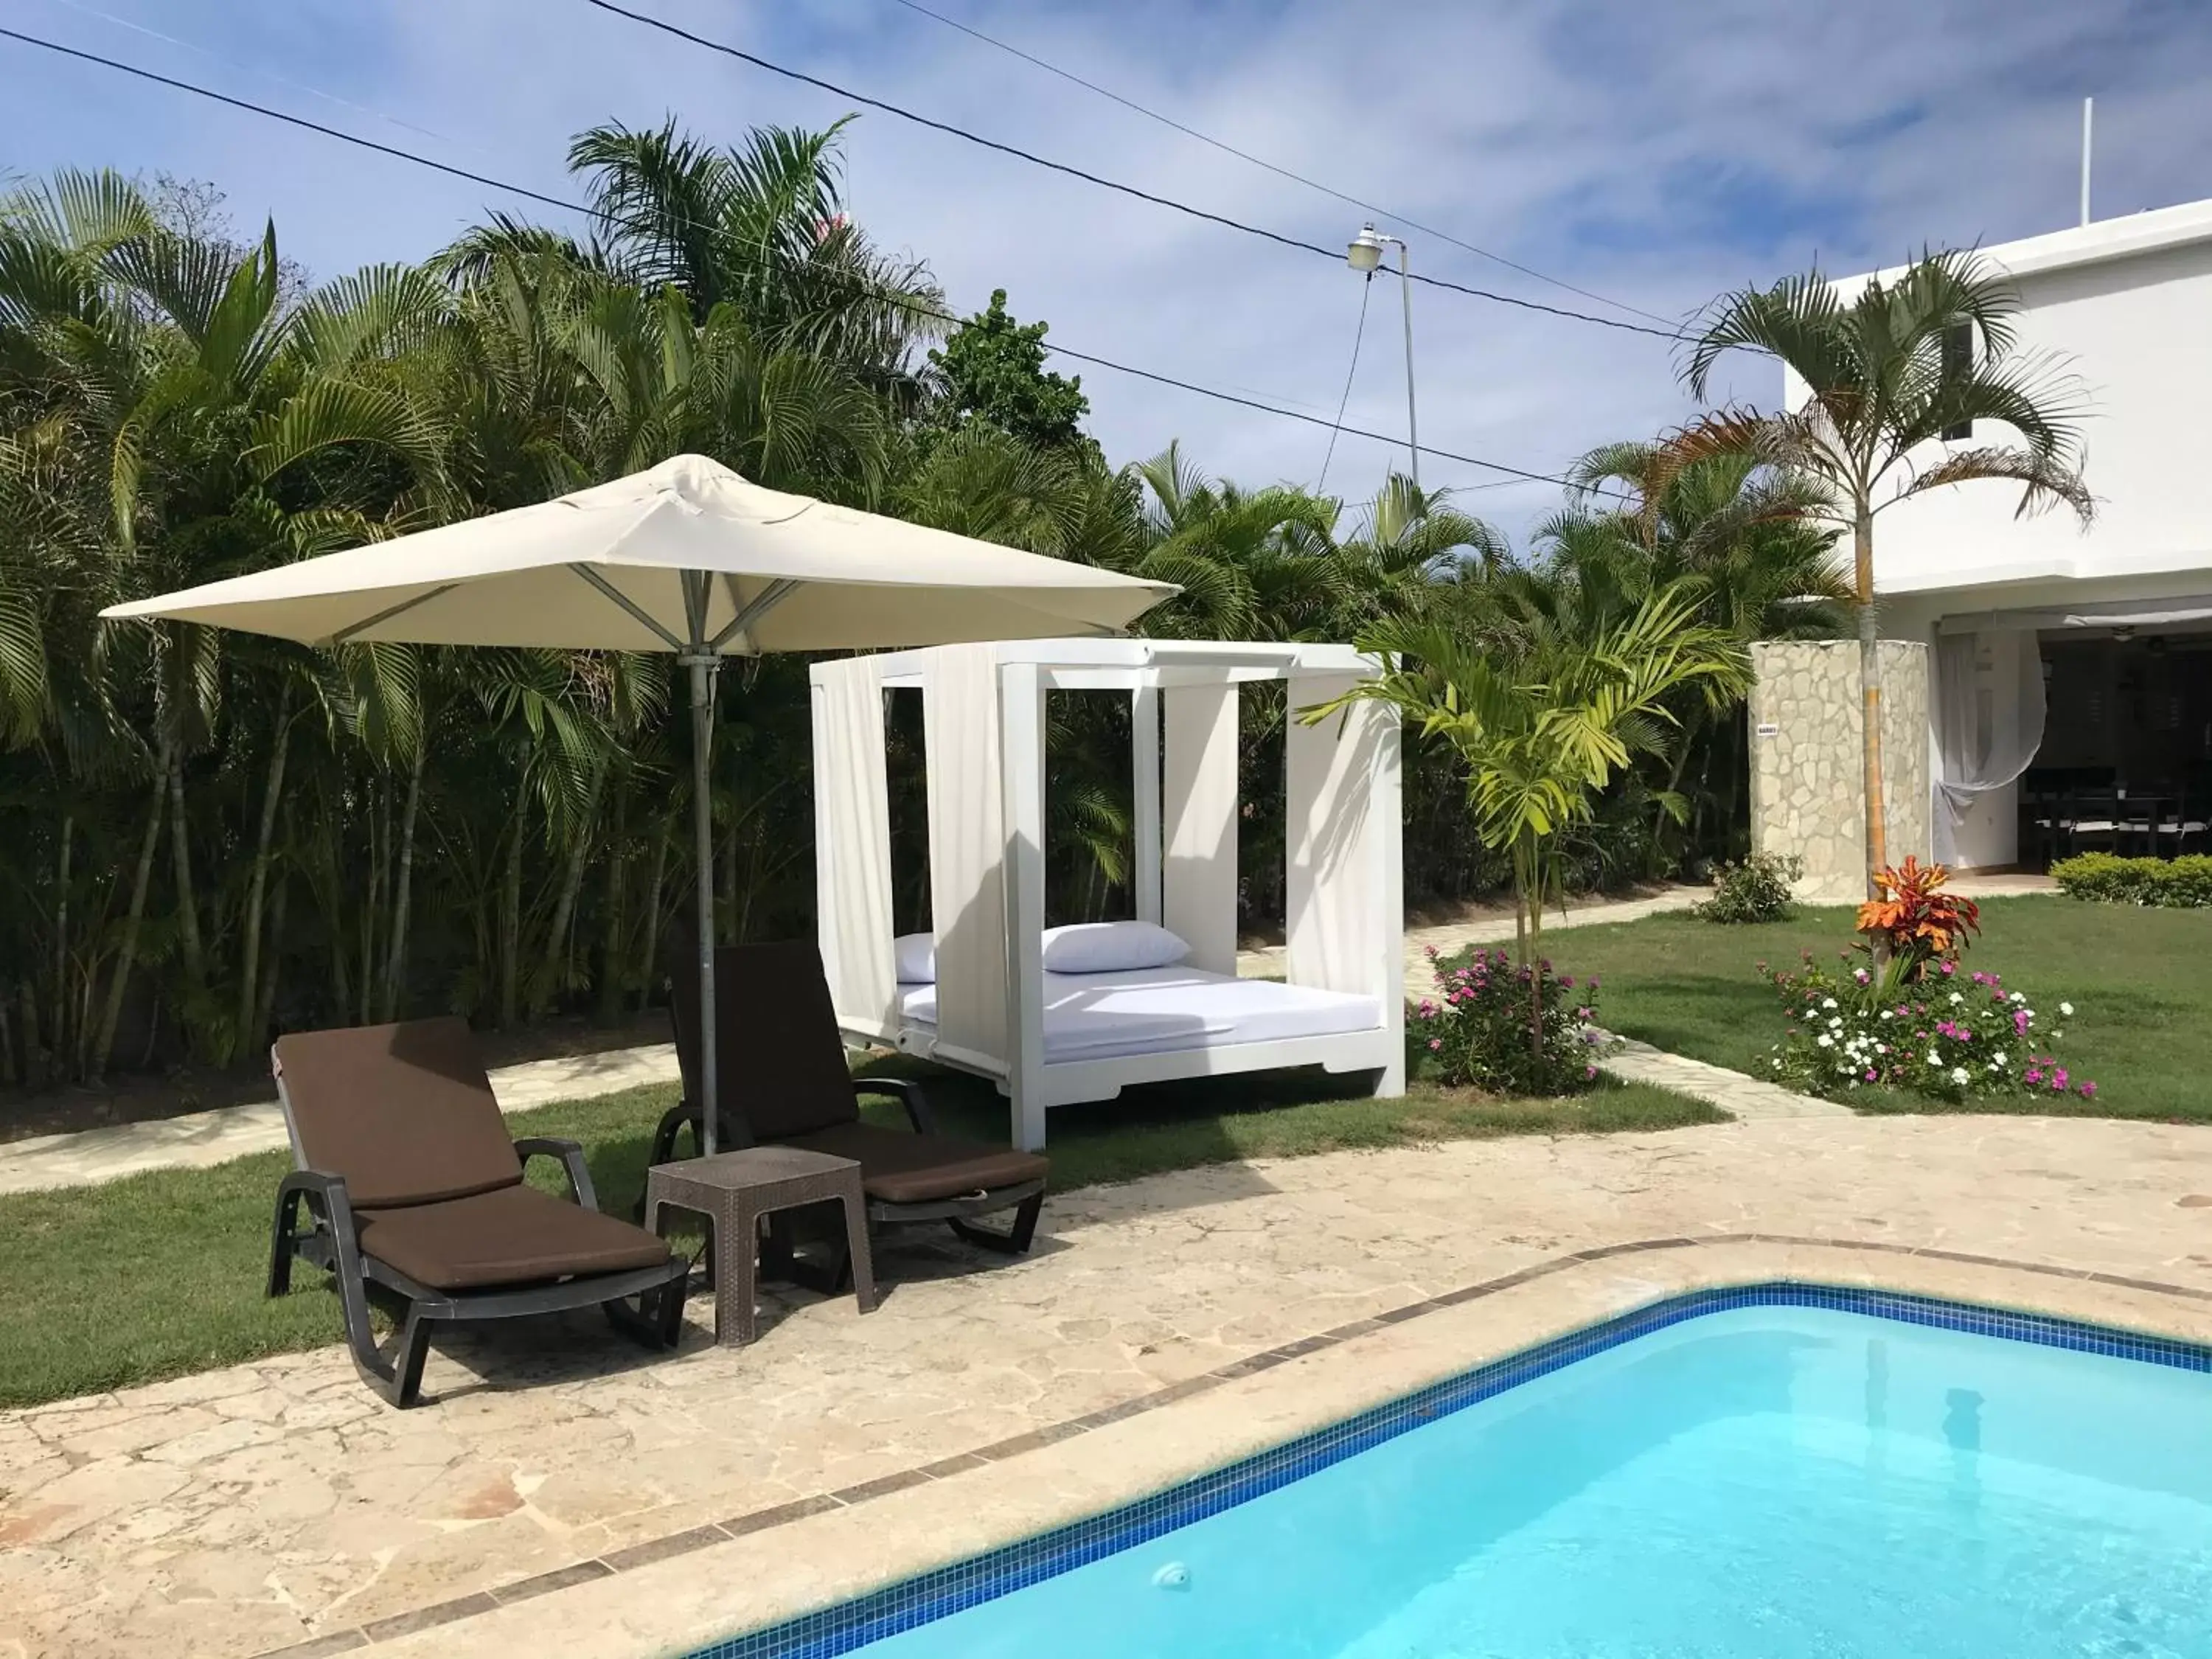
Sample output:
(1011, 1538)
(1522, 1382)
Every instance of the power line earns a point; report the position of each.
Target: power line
(1276, 168)
(312, 90)
(1359, 333)
(1099, 179)
(902, 301)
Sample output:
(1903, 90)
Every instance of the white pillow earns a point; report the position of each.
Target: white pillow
(1110, 947)
(915, 956)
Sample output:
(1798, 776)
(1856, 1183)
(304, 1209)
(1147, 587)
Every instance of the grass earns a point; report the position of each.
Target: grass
(161, 1274)
(2140, 982)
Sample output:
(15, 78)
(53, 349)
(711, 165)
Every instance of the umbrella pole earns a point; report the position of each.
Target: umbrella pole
(702, 665)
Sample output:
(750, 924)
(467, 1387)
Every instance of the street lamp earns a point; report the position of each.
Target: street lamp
(1364, 253)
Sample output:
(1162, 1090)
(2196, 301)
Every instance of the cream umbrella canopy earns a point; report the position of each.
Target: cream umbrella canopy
(687, 557)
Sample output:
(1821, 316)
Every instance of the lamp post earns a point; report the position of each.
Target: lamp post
(1364, 253)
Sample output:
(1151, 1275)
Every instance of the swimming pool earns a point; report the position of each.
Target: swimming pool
(1780, 1471)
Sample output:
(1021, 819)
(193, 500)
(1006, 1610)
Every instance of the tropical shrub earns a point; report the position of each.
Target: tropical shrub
(1475, 1031)
(2184, 883)
(1947, 1035)
(1918, 923)
(1757, 889)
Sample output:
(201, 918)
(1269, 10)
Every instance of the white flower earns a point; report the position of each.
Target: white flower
(1934, 1058)
(1828, 1002)
(2000, 1061)
(1956, 999)
(1887, 1013)
(1881, 1047)
(1826, 1042)
(1837, 1024)
(1776, 1064)
(2067, 1009)
(1958, 1075)
(2020, 996)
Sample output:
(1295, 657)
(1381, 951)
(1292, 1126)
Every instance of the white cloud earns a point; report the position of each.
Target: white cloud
(1657, 154)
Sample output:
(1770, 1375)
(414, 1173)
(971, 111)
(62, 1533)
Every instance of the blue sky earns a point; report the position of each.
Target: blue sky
(1654, 153)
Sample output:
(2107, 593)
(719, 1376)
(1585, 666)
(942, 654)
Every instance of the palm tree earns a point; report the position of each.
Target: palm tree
(1895, 377)
(762, 226)
(1539, 729)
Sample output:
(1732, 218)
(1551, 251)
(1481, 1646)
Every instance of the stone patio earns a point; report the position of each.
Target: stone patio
(560, 1489)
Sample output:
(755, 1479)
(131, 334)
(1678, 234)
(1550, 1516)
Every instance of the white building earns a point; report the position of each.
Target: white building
(2114, 621)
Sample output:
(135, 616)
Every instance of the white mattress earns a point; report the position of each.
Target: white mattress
(1169, 1010)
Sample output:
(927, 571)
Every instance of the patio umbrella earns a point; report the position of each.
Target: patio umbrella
(687, 557)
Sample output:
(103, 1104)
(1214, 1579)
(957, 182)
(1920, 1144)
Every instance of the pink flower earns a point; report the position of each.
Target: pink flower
(1949, 968)
(2034, 1074)
(2088, 1091)
(2058, 1080)
(1567, 980)
(1593, 981)
(1588, 1072)
(1432, 951)
(1435, 1044)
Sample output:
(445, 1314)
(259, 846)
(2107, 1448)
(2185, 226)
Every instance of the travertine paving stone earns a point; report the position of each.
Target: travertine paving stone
(270, 1504)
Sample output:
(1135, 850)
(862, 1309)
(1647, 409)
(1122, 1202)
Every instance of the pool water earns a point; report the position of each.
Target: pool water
(1765, 1482)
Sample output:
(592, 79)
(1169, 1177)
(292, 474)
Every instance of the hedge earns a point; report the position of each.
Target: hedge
(2108, 879)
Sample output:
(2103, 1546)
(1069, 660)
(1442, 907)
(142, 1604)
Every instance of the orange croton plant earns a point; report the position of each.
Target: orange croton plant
(1921, 922)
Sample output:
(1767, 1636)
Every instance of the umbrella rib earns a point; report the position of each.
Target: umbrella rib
(767, 600)
(353, 631)
(644, 617)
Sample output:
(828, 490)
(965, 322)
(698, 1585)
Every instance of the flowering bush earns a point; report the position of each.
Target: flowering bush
(1476, 1030)
(1950, 1034)
(1921, 922)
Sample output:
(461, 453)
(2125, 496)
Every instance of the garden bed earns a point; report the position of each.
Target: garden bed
(2140, 981)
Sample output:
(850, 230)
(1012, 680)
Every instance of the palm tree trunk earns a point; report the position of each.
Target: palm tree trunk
(1533, 959)
(126, 958)
(257, 889)
(609, 1010)
(564, 906)
(264, 1009)
(395, 964)
(61, 936)
(181, 847)
(1877, 836)
(510, 926)
(648, 961)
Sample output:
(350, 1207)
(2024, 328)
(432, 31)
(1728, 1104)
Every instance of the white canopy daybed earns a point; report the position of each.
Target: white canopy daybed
(1052, 1038)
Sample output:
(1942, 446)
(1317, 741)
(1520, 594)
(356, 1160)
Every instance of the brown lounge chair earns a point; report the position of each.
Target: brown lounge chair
(784, 1079)
(413, 1186)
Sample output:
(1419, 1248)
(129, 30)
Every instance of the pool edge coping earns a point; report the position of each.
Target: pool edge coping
(1570, 1323)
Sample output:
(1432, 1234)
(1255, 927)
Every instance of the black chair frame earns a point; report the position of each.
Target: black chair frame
(1025, 1198)
(331, 1241)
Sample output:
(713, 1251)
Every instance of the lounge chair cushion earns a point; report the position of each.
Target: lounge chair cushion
(512, 1236)
(901, 1168)
(404, 1112)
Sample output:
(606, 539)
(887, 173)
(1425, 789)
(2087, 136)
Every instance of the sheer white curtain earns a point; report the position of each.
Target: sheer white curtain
(1989, 720)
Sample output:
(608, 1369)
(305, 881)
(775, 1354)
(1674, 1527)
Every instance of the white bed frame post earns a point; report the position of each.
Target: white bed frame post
(1144, 770)
(1021, 733)
(1385, 807)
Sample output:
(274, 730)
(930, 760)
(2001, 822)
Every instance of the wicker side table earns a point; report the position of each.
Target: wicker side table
(733, 1191)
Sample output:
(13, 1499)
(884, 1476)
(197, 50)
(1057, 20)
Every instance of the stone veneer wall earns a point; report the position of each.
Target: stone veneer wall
(1806, 796)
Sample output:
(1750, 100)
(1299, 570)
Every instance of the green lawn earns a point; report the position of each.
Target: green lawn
(161, 1274)
(2140, 982)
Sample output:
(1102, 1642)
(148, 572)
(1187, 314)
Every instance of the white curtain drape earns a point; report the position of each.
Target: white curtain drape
(852, 845)
(1988, 722)
(1198, 818)
(967, 851)
(1337, 909)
